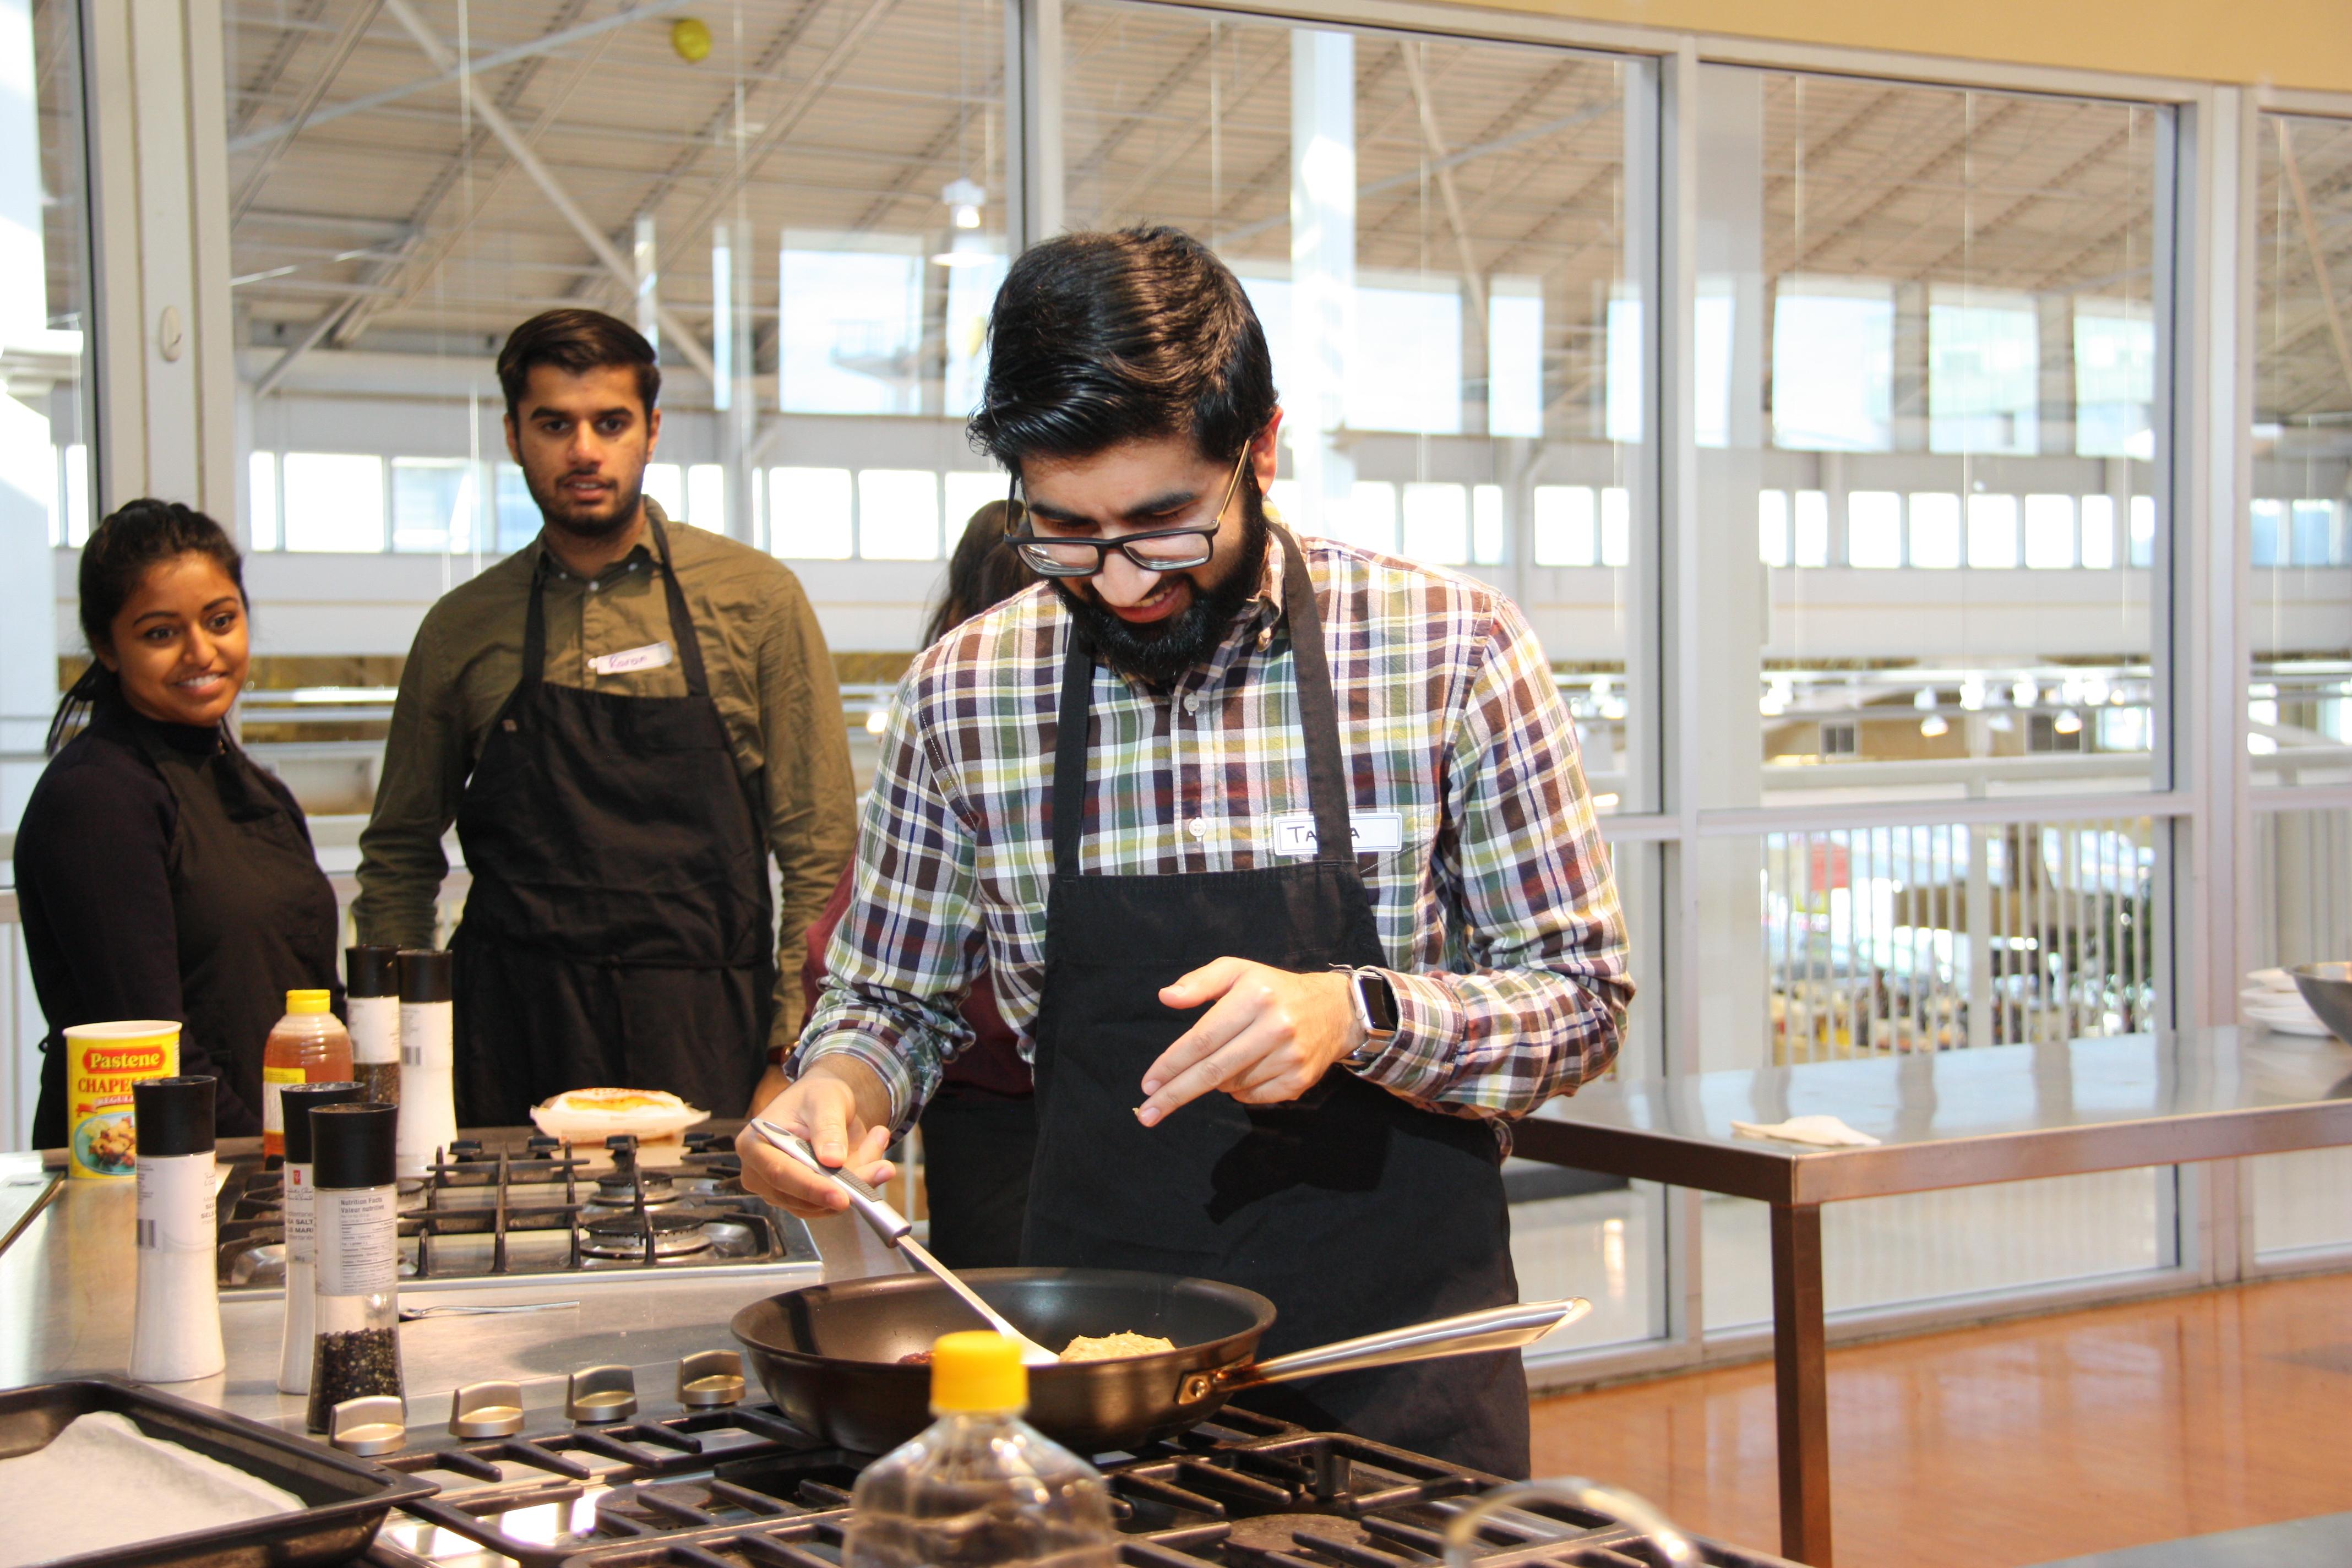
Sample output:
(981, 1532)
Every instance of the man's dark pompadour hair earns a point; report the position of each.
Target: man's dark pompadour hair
(1102, 338)
(576, 342)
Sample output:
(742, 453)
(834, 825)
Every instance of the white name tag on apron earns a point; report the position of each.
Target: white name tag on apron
(653, 656)
(1377, 833)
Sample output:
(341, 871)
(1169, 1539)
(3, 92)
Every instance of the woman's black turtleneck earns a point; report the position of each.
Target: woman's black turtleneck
(162, 874)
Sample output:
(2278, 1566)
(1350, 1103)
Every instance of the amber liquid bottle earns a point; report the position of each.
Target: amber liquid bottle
(308, 1045)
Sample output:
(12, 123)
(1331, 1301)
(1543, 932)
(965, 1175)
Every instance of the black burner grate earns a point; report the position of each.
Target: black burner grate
(743, 1489)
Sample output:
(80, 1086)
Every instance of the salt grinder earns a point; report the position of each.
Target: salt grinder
(428, 1098)
(175, 1327)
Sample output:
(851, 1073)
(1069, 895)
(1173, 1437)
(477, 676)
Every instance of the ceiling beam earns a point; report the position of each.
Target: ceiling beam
(520, 150)
(338, 53)
(459, 68)
(2293, 175)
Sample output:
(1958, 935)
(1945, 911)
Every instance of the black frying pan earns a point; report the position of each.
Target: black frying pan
(830, 1354)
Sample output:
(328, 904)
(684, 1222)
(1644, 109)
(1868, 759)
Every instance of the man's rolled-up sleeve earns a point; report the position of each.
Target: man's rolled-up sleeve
(401, 865)
(1535, 1005)
(906, 950)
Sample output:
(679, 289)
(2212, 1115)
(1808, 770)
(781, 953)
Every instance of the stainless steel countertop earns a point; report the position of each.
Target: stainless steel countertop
(68, 1284)
(1948, 1119)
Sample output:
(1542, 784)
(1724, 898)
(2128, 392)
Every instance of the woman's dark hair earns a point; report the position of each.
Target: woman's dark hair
(980, 573)
(1101, 338)
(576, 342)
(133, 541)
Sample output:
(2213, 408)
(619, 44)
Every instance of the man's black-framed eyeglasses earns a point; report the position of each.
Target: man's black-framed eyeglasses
(1158, 549)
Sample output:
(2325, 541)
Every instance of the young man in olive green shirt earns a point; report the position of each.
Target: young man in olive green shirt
(617, 821)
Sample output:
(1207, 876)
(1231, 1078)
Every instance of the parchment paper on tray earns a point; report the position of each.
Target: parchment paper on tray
(101, 1483)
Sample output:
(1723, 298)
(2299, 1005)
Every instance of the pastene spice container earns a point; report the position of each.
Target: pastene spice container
(294, 1348)
(355, 1309)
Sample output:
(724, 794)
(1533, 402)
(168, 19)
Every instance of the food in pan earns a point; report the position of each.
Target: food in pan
(916, 1358)
(1114, 1347)
(589, 1115)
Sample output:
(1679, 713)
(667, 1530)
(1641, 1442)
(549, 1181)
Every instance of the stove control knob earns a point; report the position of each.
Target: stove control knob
(711, 1379)
(486, 1410)
(600, 1393)
(375, 1423)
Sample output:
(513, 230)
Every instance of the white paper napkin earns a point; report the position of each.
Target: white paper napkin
(1828, 1132)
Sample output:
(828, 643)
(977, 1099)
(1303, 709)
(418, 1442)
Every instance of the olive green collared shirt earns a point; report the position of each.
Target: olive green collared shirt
(770, 674)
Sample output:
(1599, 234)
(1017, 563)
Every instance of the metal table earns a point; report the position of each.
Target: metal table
(1948, 1119)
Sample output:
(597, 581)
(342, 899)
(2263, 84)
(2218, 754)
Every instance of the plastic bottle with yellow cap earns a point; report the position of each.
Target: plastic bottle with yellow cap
(980, 1487)
(308, 1046)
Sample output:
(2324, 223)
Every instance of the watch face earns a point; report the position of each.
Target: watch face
(1379, 1002)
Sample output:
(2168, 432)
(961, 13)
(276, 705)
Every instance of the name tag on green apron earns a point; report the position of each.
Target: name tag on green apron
(653, 656)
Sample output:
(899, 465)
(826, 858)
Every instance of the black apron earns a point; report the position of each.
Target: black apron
(619, 931)
(255, 916)
(1350, 1209)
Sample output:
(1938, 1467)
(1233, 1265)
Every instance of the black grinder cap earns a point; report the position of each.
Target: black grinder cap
(353, 1144)
(372, 971)
(173, 1115)
(427, 974)
(301, 1098)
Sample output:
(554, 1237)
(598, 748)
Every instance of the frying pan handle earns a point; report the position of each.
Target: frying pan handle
(874, 1209)
(1495, 1329)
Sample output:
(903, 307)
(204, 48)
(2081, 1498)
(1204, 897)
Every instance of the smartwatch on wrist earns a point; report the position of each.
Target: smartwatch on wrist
(1375, 1002)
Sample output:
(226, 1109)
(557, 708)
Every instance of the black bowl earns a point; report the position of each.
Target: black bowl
(2327, 987)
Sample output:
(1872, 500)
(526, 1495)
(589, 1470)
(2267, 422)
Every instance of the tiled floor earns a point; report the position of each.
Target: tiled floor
(2020, 1444)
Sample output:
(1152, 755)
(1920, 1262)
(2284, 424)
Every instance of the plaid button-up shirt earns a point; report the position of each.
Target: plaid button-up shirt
(1499, 915)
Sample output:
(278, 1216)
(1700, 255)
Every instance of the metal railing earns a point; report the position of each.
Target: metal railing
(1944, 936)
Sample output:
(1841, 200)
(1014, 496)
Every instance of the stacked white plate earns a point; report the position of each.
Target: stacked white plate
(2271, 1000)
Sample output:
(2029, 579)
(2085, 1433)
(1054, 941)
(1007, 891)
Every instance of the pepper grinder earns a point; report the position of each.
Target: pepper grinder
(294, 1349)
(175, 1326)
(355, 1317)
(428, 1098)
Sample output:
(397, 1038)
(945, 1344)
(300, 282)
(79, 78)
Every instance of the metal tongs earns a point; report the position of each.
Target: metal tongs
(895, 1229)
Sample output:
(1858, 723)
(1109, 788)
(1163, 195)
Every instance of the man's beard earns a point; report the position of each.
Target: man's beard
(557, 512)
(1157, 652)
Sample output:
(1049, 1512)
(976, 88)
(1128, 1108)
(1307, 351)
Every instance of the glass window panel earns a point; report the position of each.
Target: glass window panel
(1515, 357)
(1833, 350)
(2049, 532)
(1936, 530)
(1437, 523)
(1772, 527)
(1813, 527)
(968, 490)
(1616, 526)
(1488, 532)
(1622, 419)
(810, 514)
(1370, 519)
(1874, 529)
(898, 514)
(1984, 369)
(1957, 292)
(1407, 375)
(852, 323)
(433, 503)
(1711, 324)
(2143, 530)
(334, 501)
(706, 495)
(76, 462)
(261, 499)
(1993, 532)
(666, 487)
(1565, 532)
(519, 519)
(2099, 532)
(2315, 530)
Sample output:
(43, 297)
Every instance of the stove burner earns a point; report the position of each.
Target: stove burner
(675, 1233)
(628, 1185)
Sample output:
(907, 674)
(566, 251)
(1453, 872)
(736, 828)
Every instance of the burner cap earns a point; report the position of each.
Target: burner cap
(676, 1232)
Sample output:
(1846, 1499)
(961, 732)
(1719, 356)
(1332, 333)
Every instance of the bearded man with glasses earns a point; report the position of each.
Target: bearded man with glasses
(1278, 851)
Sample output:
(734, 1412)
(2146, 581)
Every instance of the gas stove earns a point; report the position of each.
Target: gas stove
(491, 1210)
(736, 1484)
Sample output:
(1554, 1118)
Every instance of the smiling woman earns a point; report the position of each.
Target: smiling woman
(161, 873)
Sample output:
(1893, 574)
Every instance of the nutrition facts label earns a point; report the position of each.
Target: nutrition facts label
(357, 1236)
